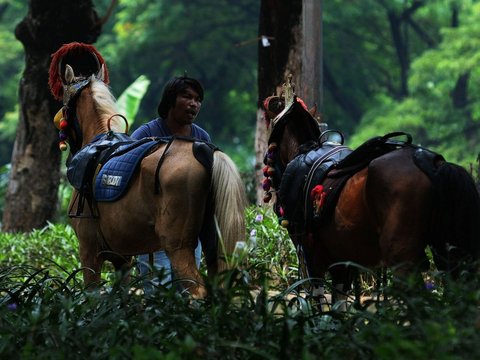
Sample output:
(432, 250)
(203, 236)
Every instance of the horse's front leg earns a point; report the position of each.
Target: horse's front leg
(91, 257)
(92, 262)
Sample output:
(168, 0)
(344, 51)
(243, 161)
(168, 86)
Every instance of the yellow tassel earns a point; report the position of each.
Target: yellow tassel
(57, 118)
(62, 146)
(284, 223)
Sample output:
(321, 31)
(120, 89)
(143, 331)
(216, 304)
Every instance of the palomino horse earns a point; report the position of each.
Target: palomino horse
(380, 205)
(167, 201)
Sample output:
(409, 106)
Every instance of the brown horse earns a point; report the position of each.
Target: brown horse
(168, 197)
(380, 205)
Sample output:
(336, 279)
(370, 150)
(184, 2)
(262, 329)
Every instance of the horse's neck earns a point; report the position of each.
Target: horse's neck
(92, 123)
(290, 144)
(288, 150)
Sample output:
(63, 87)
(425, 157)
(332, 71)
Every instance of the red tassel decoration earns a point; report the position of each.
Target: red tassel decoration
(67, 50)
(318, 196)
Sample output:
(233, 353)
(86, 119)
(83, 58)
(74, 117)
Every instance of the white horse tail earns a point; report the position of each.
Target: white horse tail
(230, 202)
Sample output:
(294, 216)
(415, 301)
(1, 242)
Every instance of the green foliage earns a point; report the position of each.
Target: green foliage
(254, 311)
(269, 248)
(368, 69)
(164, 39)
(11, 67)
(129, 101)
(46, 316)
(215, 42)
(430, 113)
(54, 244)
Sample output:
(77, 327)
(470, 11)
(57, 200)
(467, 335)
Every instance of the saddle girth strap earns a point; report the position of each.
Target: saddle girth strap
(160, 162)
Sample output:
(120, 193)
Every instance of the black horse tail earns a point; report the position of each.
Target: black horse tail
(455, 226)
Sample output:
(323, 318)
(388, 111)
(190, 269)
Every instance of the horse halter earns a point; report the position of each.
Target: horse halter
(66, 118)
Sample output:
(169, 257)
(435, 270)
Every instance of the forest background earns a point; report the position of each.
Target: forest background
(388, 65)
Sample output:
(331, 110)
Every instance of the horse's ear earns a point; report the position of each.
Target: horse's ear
(69, 74)
(313, 110)
(101, 73)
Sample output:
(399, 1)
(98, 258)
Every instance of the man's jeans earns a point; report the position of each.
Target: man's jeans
(160, 261)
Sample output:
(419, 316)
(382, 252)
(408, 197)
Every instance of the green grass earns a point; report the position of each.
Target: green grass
(46, 314)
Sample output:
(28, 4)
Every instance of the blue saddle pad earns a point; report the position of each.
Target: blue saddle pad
(113, 178)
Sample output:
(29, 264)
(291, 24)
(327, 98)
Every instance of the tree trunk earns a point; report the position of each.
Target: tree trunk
(311, 84)
(31, 197)
(280, 23)
(400, 41)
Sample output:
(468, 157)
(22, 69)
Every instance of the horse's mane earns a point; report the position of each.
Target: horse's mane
(105, 103)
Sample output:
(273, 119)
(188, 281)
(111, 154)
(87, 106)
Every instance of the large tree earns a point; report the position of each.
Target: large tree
(32, 192)
(278, 55)
(285, 30)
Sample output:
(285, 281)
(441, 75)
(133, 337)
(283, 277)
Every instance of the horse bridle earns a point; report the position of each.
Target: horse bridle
(71, 93)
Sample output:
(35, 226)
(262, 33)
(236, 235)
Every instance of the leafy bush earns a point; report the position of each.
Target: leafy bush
(252, 312)
(269, 247)
(54, 244)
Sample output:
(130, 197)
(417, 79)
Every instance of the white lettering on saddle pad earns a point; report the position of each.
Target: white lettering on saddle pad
(111, 180)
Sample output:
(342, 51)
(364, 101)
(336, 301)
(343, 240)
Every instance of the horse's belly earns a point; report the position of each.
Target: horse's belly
(358, 246)
(127, 230)
(132, 241)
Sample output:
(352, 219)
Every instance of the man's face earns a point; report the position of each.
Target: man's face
(187, 107)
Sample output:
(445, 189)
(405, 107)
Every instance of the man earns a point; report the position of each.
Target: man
(180, 104)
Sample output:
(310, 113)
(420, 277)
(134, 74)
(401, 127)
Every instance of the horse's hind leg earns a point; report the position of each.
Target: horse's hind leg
(402, 241)
(399, 195)
(184, 185)
(184, 265)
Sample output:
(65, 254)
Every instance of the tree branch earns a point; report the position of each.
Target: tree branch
(422, 34)
(109, 12)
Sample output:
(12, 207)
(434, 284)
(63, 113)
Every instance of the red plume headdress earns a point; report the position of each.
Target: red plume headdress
(83, 58)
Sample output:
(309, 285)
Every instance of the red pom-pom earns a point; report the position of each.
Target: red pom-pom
(316, 191)
(265, 171)
(63, 124)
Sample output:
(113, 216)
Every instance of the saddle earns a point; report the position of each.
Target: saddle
(300, 176)
(102, 170)
(318, 176)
